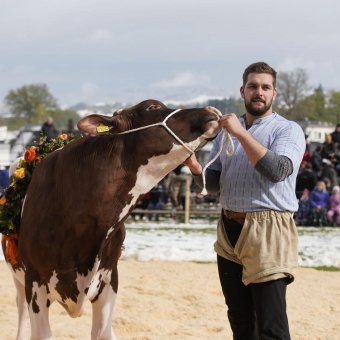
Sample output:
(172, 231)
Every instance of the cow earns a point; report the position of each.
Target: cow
(72, 220)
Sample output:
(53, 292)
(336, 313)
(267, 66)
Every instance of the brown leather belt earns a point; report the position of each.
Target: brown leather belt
(234, 215)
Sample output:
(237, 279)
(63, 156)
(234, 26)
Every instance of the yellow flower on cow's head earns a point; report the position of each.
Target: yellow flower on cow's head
(19, 173)
(3, 200)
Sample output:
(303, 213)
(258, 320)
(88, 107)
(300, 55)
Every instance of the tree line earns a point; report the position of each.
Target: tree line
(296, 100)
(33, 104)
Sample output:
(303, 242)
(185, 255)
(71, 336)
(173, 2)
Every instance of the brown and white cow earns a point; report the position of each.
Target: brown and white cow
(72, 228)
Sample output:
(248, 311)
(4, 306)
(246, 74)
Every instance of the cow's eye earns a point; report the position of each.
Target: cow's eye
(153, 107)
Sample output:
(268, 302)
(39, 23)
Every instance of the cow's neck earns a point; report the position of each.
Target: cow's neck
(150, 174)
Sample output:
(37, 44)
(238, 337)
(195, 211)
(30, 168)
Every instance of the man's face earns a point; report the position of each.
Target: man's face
(258, 93)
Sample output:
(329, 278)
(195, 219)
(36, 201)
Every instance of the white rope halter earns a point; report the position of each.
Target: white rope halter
(163, 123)
(230, 144)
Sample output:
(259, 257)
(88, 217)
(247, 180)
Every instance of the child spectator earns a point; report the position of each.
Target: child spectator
(333, 214)
(302, 214)
(319, 201)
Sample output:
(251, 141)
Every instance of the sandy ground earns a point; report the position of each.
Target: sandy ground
(183, 300)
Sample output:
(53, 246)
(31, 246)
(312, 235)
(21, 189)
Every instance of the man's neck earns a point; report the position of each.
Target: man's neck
(249, 118)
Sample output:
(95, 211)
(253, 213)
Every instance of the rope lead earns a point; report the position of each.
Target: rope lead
(230, 144)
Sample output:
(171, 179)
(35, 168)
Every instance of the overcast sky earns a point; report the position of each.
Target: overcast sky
(130, 50)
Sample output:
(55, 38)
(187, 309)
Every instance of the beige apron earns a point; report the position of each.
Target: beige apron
(267, 247)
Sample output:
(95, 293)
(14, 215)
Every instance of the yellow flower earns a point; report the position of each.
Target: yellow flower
(3, 200)
(19, 173)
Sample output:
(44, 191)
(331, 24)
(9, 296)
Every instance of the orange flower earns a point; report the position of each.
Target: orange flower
(30, 154)
(3, 200)
(19, 173)
(63, 136)
(10, 244)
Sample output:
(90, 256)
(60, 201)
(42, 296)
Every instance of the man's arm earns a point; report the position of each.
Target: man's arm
(271, 165)
(275, 167)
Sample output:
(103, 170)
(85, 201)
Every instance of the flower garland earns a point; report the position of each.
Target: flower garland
(12, 198)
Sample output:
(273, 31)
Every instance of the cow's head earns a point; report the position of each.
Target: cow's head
(192, 126)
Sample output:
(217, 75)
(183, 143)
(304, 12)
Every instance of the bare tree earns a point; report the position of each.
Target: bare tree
(292, 87)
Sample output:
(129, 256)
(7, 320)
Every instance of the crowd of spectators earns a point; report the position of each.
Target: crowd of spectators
(317, 185)
(170, 191)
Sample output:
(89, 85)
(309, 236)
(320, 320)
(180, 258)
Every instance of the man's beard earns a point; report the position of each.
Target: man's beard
(257, 111)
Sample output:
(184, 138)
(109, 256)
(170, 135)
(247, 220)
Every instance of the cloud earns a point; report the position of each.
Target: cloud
(179, 49)
(100, 36)
(292, 63)
(89, 91)
(184, 79)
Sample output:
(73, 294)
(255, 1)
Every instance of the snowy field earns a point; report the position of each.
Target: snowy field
(167, 240)
(194, 242)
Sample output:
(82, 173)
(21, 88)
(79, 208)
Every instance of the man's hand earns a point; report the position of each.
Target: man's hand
(193, 165)
(232, 124)
(254, 150)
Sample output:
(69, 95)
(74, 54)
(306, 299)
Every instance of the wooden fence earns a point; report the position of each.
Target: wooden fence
(193, 210)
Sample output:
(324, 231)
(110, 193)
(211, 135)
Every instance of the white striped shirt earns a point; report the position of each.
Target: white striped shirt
(242, 187)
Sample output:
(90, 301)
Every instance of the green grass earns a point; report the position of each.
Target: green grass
(328, 268)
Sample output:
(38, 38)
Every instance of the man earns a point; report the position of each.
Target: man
(49, 130)
(336, 134)
(256, 236)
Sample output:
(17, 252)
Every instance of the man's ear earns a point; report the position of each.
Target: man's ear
(242, 91)
(275, 94)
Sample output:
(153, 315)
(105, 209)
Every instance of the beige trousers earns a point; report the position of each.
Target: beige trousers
(267, 247)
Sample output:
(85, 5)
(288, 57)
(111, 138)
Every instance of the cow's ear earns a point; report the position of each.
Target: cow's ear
(95, 124)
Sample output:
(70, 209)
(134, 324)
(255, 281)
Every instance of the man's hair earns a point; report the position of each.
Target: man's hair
(259, 67)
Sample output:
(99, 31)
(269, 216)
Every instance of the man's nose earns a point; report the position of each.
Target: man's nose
(259, 91)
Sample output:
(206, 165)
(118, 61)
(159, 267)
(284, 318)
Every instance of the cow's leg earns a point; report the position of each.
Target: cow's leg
(38, 309)
(22, 309)
(102, 309)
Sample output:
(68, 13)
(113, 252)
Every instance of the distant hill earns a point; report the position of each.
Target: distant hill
(84, 109)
